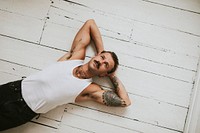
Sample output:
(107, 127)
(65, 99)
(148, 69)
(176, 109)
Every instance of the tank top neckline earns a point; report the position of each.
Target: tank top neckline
(79, 64)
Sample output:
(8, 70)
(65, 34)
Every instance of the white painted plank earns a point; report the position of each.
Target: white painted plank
(92, 125)
(132, 124)
(156, 86)
(55, 114)
(186, 5)
(170, 40)
(148, 13)
(33, 8)
(46, 121)
(156, 68)
(6, 77)
(11, 72)
(15, 69)
(52, 118)
(28, 54)
(58, 36)
(148, 111)
(112, 26)
(71, 129)
(18, 26)
(192, 124)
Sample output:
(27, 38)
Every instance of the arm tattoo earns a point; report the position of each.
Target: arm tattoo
(115, 83)
(110, 98)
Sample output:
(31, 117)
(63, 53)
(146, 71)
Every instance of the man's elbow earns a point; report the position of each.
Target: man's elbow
(90, 22)
(127, 103)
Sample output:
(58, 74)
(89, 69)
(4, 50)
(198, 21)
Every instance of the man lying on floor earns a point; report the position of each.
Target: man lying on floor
(67, 81)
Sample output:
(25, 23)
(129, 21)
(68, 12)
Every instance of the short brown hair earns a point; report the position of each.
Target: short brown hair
(115, 59)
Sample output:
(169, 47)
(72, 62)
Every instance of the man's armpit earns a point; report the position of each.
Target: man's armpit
(110, 98)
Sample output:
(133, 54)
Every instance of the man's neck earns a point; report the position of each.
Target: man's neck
(82, 72)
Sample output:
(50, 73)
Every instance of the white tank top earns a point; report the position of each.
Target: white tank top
(53, 86)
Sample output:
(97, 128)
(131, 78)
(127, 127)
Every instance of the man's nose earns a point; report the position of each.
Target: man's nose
(101, 61)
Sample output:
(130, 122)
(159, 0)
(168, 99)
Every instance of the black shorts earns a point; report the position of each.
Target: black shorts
(13, 109)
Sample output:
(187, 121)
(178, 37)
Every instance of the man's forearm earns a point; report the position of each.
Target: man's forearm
(120, 89)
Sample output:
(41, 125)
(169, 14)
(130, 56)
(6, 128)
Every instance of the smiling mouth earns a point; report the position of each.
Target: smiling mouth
(97, 64)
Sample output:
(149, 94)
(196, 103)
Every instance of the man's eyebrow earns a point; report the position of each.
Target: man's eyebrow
(107, 63)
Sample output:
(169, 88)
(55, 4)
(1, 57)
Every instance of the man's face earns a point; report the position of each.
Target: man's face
(101, 64)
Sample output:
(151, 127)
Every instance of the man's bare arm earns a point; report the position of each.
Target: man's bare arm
(95, 93)
(89, 31)
(119, 89)
(110, 98)
(82, 39)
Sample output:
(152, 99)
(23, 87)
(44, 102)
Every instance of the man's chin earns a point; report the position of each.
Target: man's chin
(92, 69)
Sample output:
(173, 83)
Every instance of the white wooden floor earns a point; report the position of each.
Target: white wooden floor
(158, 44)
